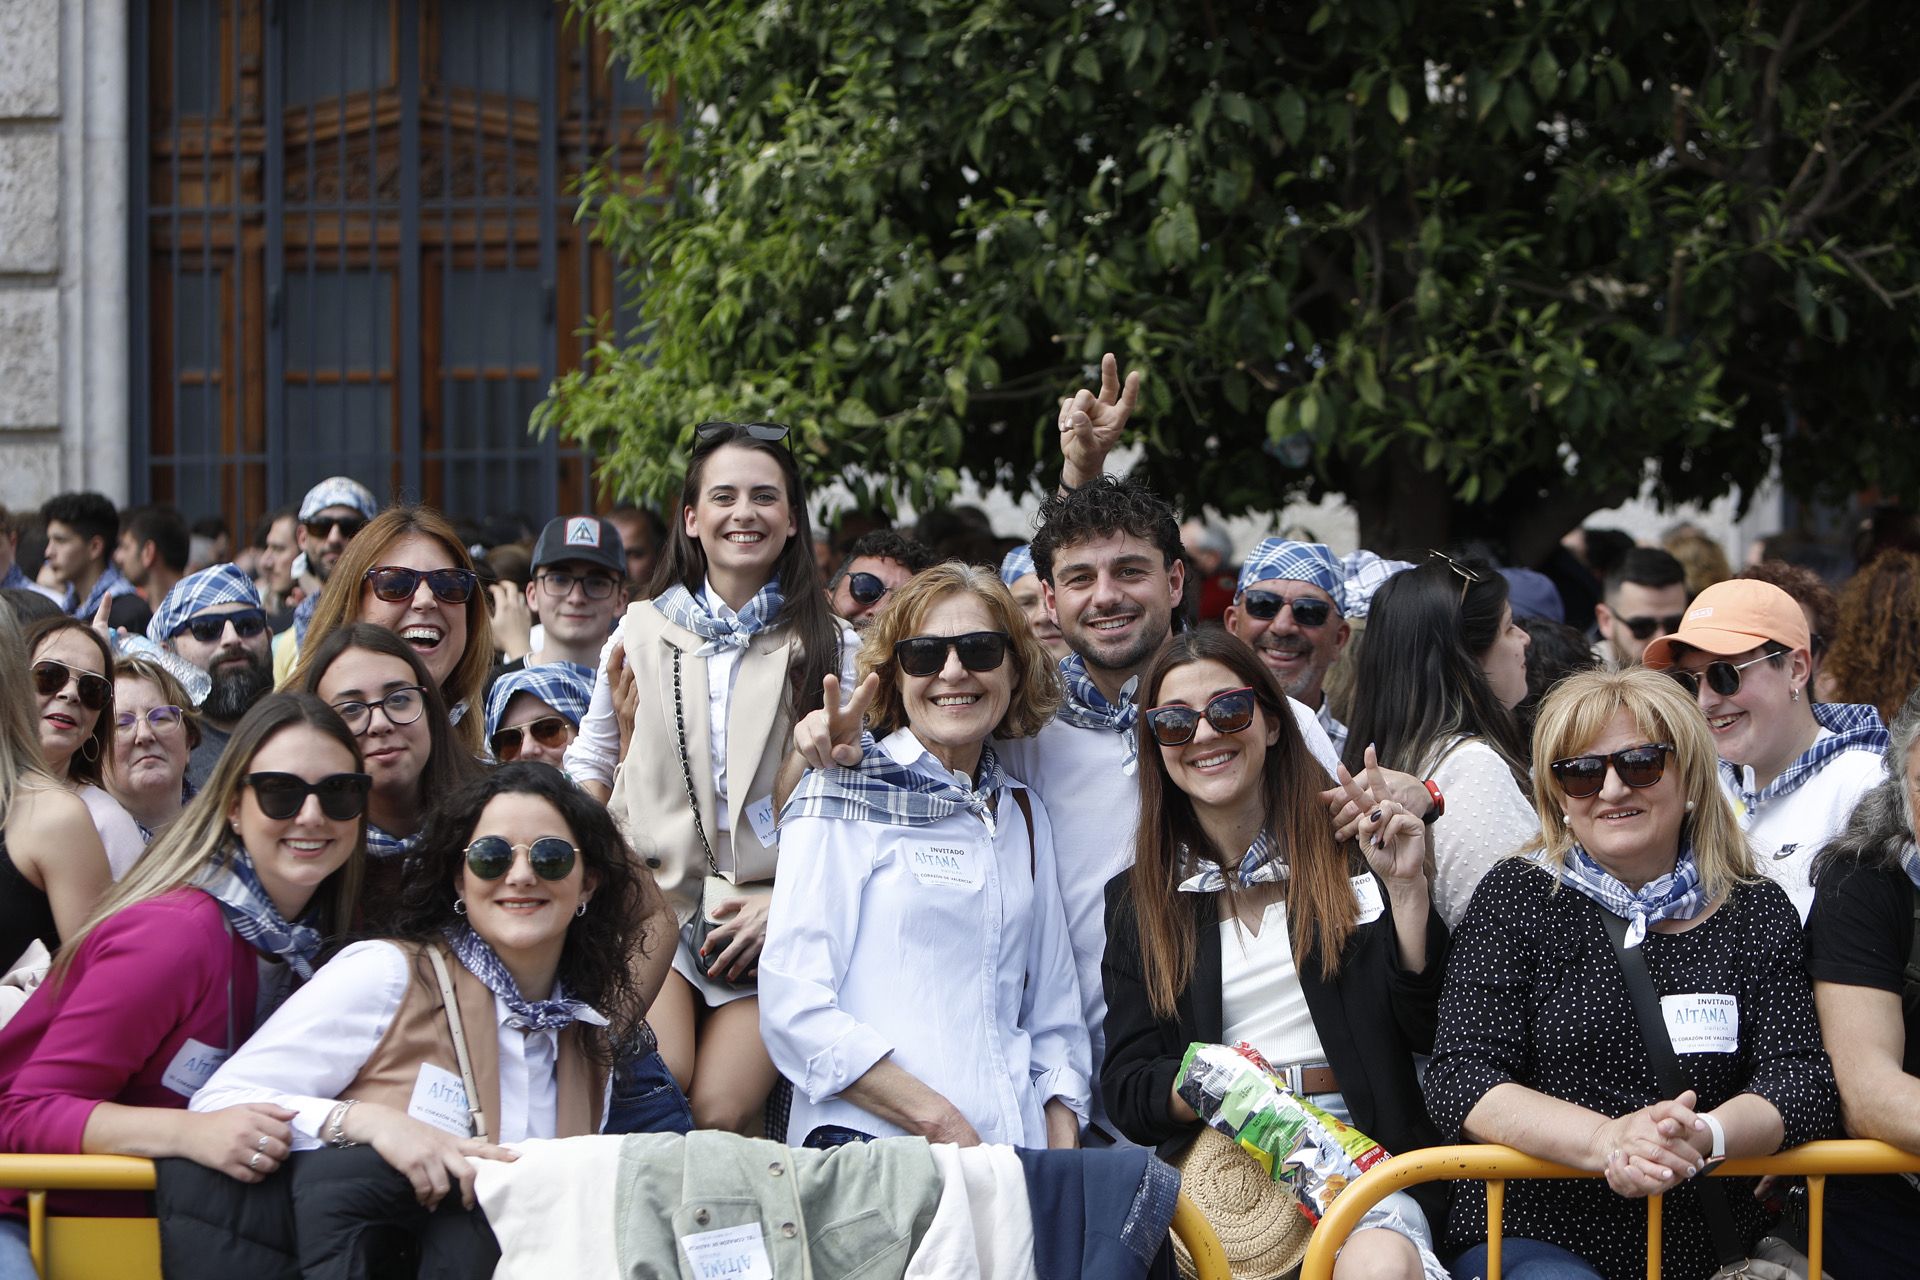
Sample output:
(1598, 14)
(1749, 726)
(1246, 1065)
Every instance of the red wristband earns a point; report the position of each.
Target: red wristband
(1439, 802)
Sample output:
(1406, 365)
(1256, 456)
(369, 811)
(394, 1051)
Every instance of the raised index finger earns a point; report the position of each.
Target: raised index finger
(1376, 777)
(1109, 378)
(863, 697)
(1352, 788)
(1130, 394)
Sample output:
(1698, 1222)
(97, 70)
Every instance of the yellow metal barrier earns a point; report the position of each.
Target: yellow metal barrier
(1496, 1166)
(129, 1248)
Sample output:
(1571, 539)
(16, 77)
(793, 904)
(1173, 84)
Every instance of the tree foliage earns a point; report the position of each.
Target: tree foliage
(1479, 266)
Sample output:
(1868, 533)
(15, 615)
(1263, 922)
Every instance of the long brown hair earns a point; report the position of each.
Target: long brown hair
(805, 613)
(340, 604)
(1321, 908)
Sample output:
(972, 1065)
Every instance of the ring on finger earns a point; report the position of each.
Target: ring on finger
(262, 1144)
(253, 1162)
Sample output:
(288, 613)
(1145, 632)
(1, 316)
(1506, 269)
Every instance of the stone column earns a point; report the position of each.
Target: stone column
(64, 232)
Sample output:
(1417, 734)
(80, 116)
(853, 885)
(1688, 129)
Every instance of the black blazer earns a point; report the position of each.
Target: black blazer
(1372, 1020)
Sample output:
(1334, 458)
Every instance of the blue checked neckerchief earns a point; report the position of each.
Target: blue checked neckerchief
(110, 583)
(681, 606)
(1854, 726)
(555, 1014)
(1674, 896)
(384, 844)
(303, 617)
(233, 883)
(1087, 708)
(1910, 862)
(881, 789)
(1259, 866)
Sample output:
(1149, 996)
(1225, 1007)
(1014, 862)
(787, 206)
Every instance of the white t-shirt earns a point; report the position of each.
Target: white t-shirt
(1788, 830)
(1261, 1000)
(1487, 818)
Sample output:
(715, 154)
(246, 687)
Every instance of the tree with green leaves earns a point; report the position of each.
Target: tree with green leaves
(1481, 267)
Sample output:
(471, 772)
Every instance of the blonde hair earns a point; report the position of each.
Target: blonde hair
(1579, 709)
(200, 835)
(340, 604)
(137, 668)
(1036, 677)
(20, 759)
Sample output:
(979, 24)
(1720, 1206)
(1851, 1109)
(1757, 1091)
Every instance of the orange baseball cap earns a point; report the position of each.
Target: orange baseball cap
(1732, 617)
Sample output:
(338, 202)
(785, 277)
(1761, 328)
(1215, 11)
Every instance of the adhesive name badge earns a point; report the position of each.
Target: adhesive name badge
(439, 1099)
(729, 1253)
(192, 1067)
(943, 866)
(1366, 891)
(764, 821)
(1702, 1023)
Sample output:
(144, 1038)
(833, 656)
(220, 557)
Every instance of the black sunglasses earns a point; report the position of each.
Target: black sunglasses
(393, 583)
(322, 527)
(402, 706)
(598, 586)
(1583, 776)
(1647, 628)
(866, 588)
(708, 432)
(1229, 711)
(1722, 677)
(1307, 611)
(208, 628)
(50, 676)
(927, 655)
(491, 857)
(282, 795)
(548, 731)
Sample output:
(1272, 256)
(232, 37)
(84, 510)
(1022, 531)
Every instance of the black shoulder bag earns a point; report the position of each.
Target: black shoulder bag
(1771, 1257)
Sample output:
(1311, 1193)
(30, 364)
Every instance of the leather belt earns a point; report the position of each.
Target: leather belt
(1305, 1078)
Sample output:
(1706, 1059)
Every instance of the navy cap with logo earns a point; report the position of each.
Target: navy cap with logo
(585, 538)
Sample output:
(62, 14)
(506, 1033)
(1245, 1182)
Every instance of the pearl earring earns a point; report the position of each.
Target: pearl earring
(1565, 816)
(1689, 806)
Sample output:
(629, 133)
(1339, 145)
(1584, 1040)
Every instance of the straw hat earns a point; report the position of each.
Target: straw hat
(1259, 1223)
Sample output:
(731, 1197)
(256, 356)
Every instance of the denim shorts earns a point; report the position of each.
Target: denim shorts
(646, 1099)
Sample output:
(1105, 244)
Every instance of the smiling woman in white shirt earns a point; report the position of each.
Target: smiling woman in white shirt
(526, 907)
(917, 977)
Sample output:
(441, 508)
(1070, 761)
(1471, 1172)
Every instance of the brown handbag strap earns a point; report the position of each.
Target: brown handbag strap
(1026, 811)
(452, 1003)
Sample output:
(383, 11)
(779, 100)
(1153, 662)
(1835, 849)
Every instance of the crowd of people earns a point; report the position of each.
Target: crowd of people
(385, 831)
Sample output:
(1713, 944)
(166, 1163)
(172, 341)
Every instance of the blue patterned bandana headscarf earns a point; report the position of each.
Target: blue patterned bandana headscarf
(1017, 564)
(1278, 559)
(681, 606)
(1674, 896)
(235, 885)
(564, 686)
(881, 789)
(1087, 708)
(221, 584)
(555, 1014)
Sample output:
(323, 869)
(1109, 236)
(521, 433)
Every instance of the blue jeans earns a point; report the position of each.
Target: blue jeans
(1522, 1259)
(646, 1099)
(16, 1262)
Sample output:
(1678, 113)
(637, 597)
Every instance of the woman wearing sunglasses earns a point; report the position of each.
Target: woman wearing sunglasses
(1439, 671)
(154, 733)
(1243, 919)
(224, 915)
(918, 978)
(53, 870)
(533, 713)
(529, 902)
(1640, 868)
(1794, 769)
(408, 571)
(732, 647)
(382, 690)
(72, 670)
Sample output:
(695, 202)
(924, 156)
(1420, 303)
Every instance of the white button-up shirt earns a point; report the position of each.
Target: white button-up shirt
(942, 945)
(314, 1047)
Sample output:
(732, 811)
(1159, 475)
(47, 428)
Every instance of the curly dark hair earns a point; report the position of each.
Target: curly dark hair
(903, 549)
(596, 962)
(1108, 505)
(1875, 655)
(1809, 590)
(89, 514)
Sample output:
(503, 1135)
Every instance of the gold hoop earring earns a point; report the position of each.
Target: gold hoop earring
(90, 749)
